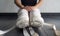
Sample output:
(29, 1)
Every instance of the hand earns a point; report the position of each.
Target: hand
(32, 7)
(28, 8)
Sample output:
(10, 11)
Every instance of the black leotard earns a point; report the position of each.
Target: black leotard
(29, 2)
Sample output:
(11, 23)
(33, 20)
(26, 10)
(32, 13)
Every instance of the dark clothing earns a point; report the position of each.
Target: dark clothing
(29, 2)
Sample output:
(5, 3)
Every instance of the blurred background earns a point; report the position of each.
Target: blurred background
(50, 11)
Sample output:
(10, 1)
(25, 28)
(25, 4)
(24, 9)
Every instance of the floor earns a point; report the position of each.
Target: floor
(7, 22)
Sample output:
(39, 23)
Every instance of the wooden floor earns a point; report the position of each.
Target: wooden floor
(7, 22)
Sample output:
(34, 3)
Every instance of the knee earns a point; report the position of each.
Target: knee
(36, 12)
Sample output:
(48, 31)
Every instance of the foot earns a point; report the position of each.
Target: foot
(32, 32)
(35, 34)
(25, 32)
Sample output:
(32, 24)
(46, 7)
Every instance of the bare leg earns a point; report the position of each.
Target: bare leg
(35, 18)
(23, 19)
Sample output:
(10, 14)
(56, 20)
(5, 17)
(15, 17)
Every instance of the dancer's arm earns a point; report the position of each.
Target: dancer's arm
(38, 4)
(19, 4)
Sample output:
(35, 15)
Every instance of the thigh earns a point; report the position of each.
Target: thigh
(36, 12)
(35, 18)
(22, 12)
(22, 15)
(23, 19)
